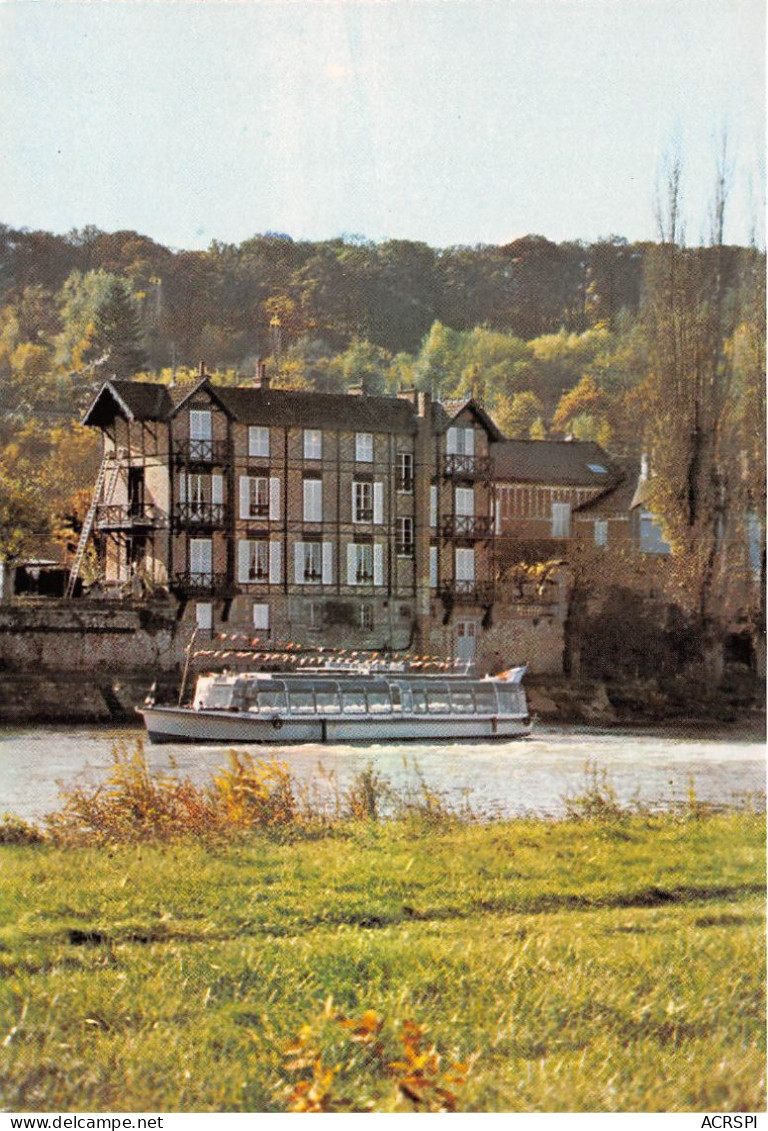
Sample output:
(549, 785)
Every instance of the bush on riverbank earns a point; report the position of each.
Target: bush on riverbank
(248, 795)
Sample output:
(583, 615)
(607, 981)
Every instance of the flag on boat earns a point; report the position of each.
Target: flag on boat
(513, 675)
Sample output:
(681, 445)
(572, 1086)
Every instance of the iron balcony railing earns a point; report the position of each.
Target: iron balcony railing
(120, 516)
(468, 467)
(201, 514)
(467, 526)
(207, 452)
(193, 581)
(468, 592)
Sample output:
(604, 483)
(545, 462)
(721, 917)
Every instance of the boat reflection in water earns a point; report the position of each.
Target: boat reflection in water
(360, 704)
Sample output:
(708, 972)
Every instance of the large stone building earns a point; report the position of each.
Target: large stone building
(353, 520)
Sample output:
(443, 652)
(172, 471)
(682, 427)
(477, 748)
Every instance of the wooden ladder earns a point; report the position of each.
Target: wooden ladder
(108, 472)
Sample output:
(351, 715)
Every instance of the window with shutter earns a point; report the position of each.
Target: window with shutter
(362, 502)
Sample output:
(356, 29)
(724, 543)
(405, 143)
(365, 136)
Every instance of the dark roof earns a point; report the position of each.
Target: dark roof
(297, 408)
(140, 400)
(617, 499)
(137, 400)
(554, 462)
(453, 409)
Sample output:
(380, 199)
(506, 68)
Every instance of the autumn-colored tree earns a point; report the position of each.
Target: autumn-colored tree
(516, 416)
(694, 422)
(23, 522)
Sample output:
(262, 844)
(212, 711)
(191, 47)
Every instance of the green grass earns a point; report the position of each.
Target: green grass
(585, 965)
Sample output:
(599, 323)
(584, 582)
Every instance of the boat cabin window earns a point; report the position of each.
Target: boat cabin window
(267, 698)
(217, 696)
(462, 702)
(327, 698)
(419, 699)
(301, 698)
(485, 698)
(438, 698)
(511, 700)
(379, 700)
(353, 699)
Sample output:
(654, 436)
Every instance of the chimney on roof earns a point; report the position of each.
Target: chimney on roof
(408, 394)
(356, 390)
(262, 377)
(201, 371)
(423, 401)
(645, 467)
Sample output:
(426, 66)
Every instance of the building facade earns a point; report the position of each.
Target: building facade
(355, 521)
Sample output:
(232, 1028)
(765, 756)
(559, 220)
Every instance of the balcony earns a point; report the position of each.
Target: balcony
(467, 592)
(194, 582)
(467, 526)
(201, 515)
(127, 516)
(468, 467)
(202, 453)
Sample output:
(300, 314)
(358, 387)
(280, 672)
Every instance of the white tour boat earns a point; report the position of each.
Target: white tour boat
(365, 703)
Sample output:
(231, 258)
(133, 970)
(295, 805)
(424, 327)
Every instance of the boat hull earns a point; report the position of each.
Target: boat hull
(183, 724)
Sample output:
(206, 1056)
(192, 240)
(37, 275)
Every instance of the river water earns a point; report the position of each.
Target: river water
(528, 777)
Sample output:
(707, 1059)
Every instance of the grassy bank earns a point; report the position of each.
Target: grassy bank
(603, 964)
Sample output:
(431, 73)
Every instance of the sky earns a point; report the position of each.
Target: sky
(447, 121)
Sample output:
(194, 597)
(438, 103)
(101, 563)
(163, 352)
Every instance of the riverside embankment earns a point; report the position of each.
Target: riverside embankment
(93, 662)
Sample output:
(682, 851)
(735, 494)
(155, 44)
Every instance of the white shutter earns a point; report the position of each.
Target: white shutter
(245, 496)
(261, 616)
(561, 520)
(351, 564)
(450, 442)
(243, 560)
(217, 488)
(327, 563)
(275, 563)
(313, 500)
(353, 511)
(200, 424)
(200, 555)
(378, 502)
(378, 564)
(433, 567)
(433, 506)
(274, 498)
(465, 501)
(465, 565)
(182, 488)
(298, 562)
(469, 441)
